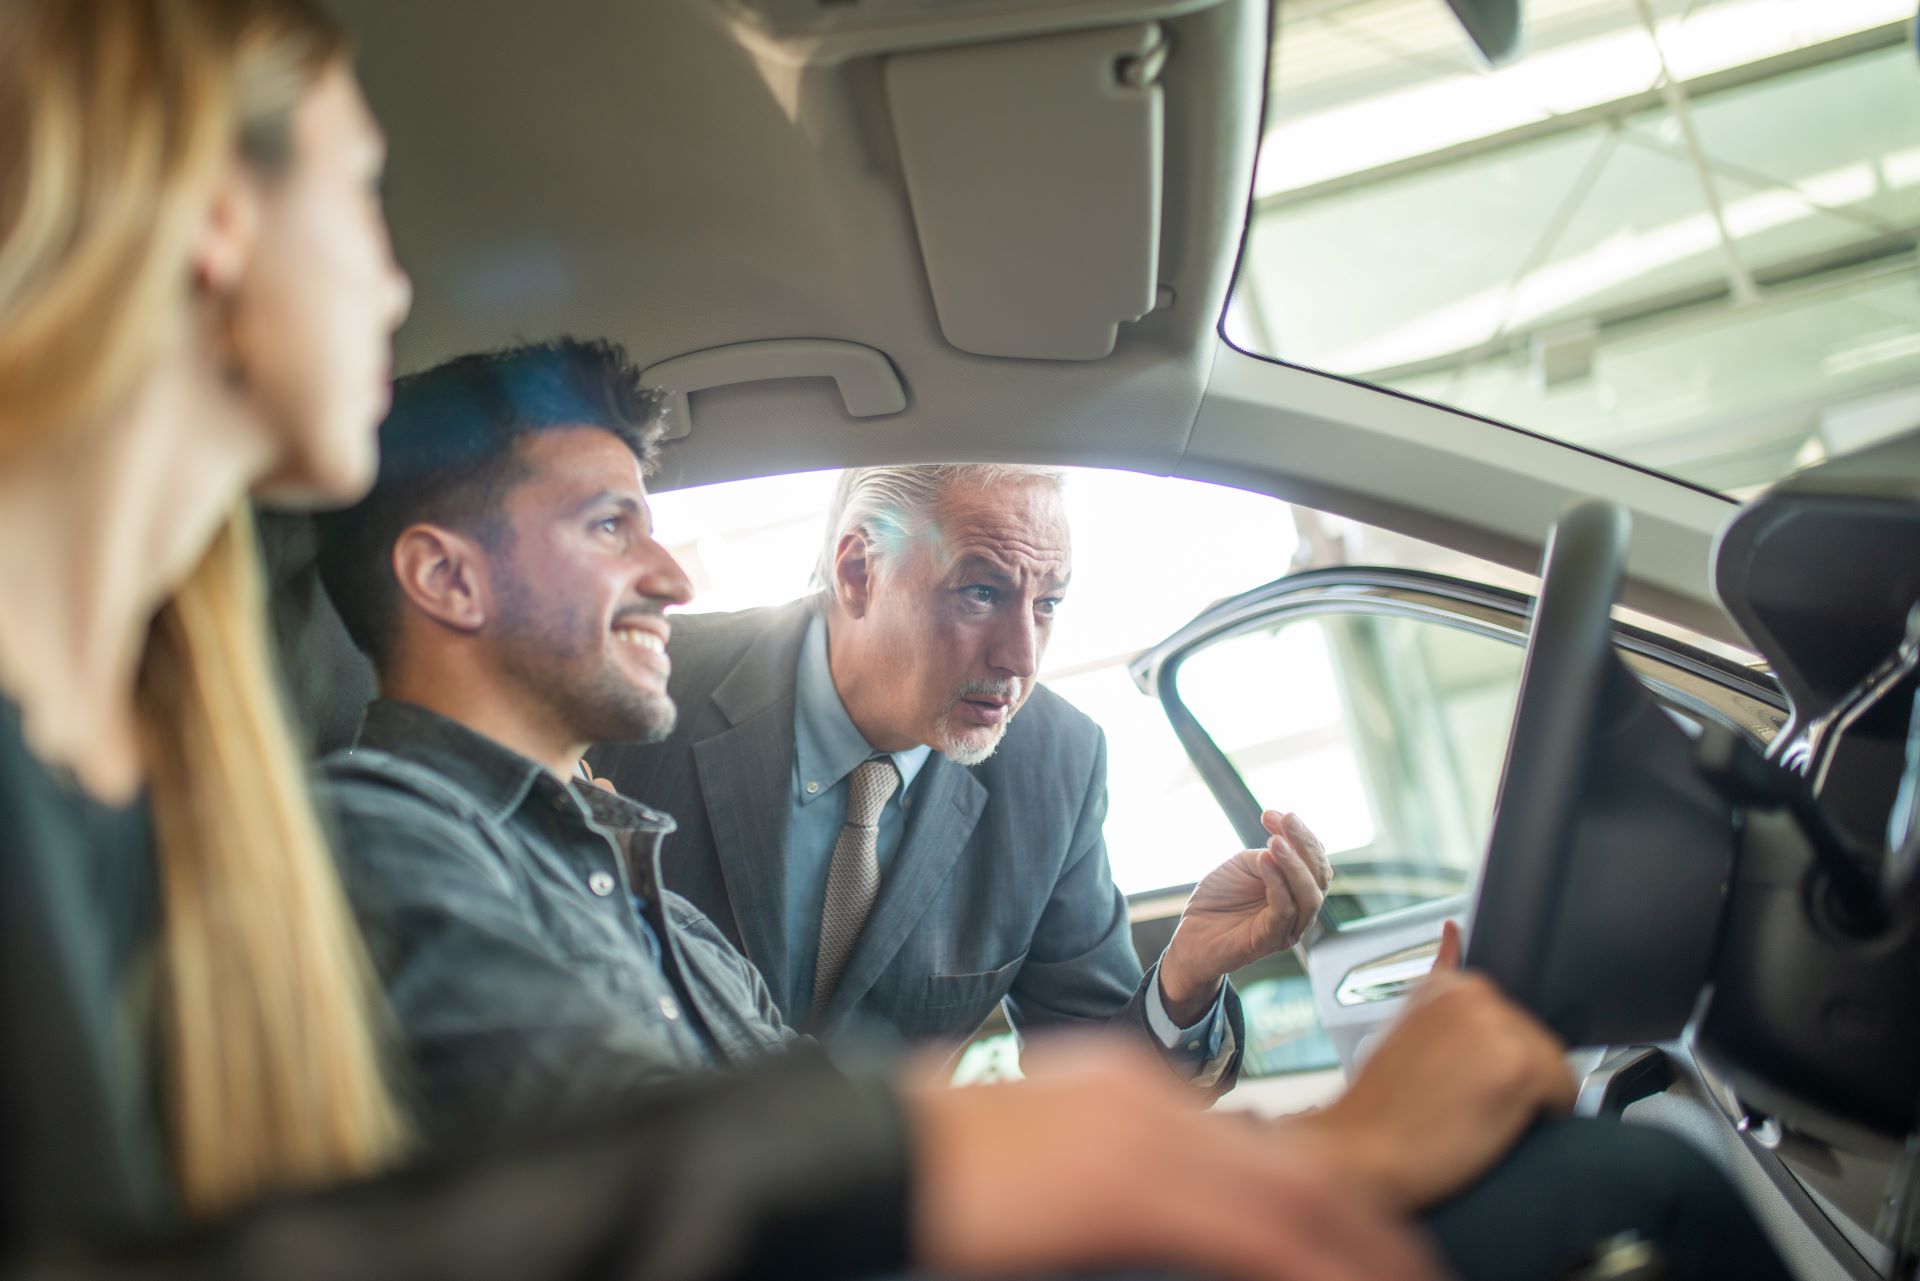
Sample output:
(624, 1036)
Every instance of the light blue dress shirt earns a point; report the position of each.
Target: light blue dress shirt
(827, 747)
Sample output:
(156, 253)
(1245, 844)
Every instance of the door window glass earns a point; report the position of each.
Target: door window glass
(1384, 733)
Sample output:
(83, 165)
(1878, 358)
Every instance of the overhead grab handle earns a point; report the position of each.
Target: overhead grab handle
(868, 384)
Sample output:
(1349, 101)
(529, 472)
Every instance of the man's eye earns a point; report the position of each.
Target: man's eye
(980, 595)
(611, 525)
(1047, 604)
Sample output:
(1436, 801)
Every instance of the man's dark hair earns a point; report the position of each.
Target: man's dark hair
(449, 455)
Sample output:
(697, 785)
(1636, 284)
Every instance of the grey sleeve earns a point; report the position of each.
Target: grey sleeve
(1082, 967)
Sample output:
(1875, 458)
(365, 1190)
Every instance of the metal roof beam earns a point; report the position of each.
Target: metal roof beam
(1617, 109)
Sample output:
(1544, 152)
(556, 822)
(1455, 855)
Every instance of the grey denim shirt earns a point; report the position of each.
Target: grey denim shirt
(499, 907)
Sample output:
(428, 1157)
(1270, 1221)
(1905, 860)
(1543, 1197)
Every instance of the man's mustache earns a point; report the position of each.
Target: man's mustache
(1008, 689)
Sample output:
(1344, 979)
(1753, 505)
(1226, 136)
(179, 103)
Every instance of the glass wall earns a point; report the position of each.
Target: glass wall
(1680, 232)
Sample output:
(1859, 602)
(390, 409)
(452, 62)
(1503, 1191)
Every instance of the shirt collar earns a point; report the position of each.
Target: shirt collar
(494, 774)
(827, 745)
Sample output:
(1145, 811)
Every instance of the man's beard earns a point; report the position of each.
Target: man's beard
(947, 738)
(561, 656)
(608, 710)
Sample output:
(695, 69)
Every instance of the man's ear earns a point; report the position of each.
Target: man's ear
(224, 247)
(853, 573)
(443, 574)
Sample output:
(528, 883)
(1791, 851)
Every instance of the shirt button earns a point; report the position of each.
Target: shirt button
(1193, 1045)
(669, 1008)
(812, 788)
(601, 883)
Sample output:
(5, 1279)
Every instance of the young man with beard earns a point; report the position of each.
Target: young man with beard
(504, 579)
(981, 876)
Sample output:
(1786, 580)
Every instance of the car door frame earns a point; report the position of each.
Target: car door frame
(1361, 971)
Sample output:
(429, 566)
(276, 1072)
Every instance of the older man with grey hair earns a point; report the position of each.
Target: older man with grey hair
(900, 827)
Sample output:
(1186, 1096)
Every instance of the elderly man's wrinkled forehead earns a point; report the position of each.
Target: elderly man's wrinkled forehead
(1017, 528)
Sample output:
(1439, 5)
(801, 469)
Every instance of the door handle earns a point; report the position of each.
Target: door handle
(1388, 976)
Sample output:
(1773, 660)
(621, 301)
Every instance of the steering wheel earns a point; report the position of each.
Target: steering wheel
(1605, 878)
(1568, 653)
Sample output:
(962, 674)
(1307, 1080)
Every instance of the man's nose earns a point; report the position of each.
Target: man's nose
(661, 577)
(1017, 646)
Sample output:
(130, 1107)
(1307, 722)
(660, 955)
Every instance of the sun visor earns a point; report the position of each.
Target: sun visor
(1034, 172)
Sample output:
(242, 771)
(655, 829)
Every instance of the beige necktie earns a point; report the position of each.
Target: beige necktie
(853, 879)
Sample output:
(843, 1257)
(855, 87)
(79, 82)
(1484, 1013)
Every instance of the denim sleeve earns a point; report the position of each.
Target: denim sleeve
(497, 1026)
(739, 1007)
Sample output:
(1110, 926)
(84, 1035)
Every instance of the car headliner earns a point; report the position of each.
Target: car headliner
(660, 174)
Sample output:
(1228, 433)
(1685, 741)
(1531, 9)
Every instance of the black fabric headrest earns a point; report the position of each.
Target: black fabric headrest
(328, 681)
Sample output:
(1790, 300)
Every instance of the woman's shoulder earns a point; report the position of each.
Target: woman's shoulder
(43, 805)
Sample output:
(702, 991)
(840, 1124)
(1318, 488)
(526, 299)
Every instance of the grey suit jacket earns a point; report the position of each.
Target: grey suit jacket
(1000, 889)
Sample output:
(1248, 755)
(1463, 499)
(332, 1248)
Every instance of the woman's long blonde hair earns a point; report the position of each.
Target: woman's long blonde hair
(117, 118)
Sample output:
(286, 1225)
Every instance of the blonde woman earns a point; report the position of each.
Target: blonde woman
(196, 297)
(196, 300)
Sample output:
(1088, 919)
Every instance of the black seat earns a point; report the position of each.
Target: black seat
(328, 681)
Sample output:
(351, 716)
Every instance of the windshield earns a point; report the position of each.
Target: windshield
(1679, 232)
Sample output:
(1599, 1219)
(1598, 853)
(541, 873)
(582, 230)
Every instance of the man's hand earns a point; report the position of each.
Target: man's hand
(1253, 905)
(1103, 1161)
(1444, 1095)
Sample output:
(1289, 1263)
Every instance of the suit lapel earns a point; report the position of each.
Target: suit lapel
(745, 772)
(947, 800)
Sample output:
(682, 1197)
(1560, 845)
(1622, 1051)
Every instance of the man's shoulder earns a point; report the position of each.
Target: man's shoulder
(381, 801)
(363, 772)
(1048, 769)
(1050, 722)
(707, 647)
(1050, 740)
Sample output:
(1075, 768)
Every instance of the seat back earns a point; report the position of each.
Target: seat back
(328, 680)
